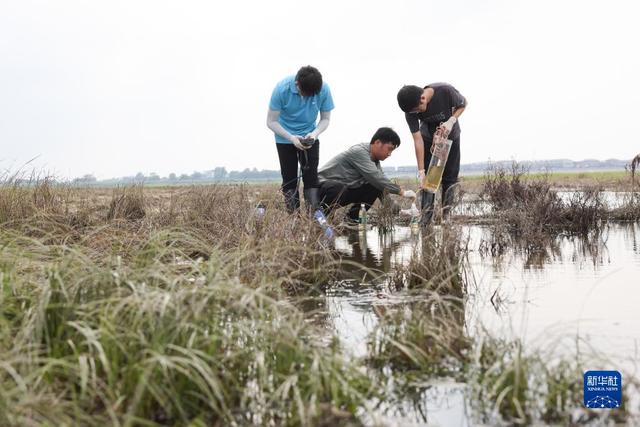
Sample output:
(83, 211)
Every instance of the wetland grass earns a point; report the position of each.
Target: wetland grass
(177, 307)
(162, 313)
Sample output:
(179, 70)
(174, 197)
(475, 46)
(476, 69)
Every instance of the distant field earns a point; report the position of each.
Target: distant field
(609, 180)
(605, 180)
(574, 176)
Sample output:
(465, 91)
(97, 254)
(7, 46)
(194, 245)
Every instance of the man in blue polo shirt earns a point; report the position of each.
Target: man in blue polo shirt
(293, 111)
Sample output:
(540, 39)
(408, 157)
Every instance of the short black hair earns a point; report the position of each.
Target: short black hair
(387, 136)
(309, 80)
(409, 97)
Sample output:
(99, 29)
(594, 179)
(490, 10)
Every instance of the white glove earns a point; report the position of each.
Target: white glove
(409, 194)
(412, 211)
(421, 176)
(448, 125)
(296, 141)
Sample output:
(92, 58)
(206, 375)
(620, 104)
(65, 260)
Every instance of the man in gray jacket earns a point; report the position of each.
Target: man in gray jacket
(355, 175)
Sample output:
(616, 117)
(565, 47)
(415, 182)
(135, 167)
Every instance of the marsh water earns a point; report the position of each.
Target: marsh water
(576, 287)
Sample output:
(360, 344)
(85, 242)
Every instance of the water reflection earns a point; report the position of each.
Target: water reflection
(376, 251)
(437, 403)
(631, 236)
(423, 315)
(502, 249)
(581, 286)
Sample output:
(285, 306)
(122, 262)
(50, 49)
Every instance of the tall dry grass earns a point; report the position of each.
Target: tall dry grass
(530, 211)
(174, 307)
(125, 309)
(635, 162)
(160, 339)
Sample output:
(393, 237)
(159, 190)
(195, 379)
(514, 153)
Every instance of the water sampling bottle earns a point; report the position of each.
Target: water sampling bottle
(439, 155)
(362, 218)
(324, 224)
(415, 217)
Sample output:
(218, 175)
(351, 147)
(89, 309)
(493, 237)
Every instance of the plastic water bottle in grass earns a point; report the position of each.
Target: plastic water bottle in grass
(260, 210)
(324, 224)
(414, 225)
(362, 218)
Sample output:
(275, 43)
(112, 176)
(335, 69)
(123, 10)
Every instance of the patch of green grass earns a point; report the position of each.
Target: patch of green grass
(160, 338)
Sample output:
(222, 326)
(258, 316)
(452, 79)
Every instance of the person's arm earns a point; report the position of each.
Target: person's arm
(418, 144)
(276, 127)
(448, 125)
(458, 112)
(409, 194)
(323, 124)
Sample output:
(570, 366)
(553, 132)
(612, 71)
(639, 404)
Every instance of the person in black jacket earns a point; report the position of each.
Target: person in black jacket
(427, 108)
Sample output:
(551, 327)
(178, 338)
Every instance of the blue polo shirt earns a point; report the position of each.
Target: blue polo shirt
(298, 114)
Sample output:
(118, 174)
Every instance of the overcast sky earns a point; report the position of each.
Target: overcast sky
(114, 88)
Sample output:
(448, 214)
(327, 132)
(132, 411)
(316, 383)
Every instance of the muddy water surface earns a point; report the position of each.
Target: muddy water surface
(576, 287)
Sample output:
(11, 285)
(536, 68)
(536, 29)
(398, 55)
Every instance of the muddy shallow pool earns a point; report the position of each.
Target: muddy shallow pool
(576, 287)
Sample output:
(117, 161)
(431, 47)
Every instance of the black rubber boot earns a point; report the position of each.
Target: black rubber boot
(292, 200)
(311, 200)
(426, 203)
(448, 200)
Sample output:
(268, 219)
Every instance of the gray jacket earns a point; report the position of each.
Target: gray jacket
(355, 168)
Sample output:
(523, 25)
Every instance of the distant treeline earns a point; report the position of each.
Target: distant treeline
(220, 174)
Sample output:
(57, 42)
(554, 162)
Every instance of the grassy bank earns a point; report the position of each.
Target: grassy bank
(181, 306)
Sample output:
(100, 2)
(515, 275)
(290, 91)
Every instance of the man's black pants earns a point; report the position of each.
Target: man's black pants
(449, 179)
(289, 157)
(336, 193)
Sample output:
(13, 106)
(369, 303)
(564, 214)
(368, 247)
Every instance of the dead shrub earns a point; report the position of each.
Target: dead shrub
(633, 166)
(218, 204)
(14, 202)
(44, 195)
(127, 203)
(21, 198)
(437, 264)
(385, 214)
(524, 205)
(585, 211)
(629, 209)
(532, 211)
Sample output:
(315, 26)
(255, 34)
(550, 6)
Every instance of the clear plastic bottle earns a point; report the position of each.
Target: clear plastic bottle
(260, 210)
(415, 218)
(324, 224)
(362, 218)
(439, 157)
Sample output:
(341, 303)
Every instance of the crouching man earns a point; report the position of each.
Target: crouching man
(355, 175)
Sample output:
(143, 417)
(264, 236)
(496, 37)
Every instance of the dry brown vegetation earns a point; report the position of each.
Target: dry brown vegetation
(137, 306)
(635, 162)
(175, 306)
(531, 211)
(122, 220)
